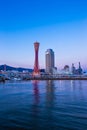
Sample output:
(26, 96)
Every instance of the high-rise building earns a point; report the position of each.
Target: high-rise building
(36, 64)
(80, 69)
(49, 61)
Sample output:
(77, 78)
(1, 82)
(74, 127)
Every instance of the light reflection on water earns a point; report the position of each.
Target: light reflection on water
(49, 104)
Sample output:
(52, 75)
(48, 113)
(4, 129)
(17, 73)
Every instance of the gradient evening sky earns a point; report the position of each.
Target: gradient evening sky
(57, 24)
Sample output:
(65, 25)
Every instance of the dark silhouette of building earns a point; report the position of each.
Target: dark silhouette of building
(66, 68)
(77, 71)
(73, 69)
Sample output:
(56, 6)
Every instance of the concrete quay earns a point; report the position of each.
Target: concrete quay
(57, 78)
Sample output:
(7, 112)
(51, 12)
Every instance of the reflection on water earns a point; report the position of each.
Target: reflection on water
(36, 91)
(73, 84)
(42, 105)
(50, 92)
(79, 89)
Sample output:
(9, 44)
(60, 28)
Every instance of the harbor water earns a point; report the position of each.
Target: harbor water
(43, 105)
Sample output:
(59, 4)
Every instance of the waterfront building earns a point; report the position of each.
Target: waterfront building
(66, 68)
(36, 71)
(77, 71)
(54, 70)
(73, 69)
(49, 57)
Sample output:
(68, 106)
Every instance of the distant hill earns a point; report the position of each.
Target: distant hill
(20, 69)
(14, 68)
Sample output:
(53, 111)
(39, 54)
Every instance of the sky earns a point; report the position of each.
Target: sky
(57, 24)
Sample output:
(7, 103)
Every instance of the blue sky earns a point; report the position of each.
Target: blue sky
(57, 24)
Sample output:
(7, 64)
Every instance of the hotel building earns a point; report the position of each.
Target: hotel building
(49, 57)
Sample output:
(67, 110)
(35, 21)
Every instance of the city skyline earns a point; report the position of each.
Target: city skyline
(61, 26)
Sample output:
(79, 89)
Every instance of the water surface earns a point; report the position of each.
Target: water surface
(43, 105)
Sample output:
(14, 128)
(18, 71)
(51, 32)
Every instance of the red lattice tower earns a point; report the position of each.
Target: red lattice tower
(36, 64)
